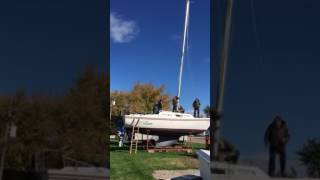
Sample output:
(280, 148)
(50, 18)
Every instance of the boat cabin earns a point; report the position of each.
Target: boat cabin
(170, 114)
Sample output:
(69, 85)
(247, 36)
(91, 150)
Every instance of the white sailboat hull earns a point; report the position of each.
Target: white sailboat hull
(168, 123)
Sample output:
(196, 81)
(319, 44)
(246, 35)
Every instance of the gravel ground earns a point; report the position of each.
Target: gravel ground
(168, 174)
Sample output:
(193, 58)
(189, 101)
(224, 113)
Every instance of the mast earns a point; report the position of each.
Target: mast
(222, 77)
(186, 23)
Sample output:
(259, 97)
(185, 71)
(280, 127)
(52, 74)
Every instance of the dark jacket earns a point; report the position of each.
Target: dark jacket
(196, 103)
(181, 109)
(175, 101)
(227, 151)
(155, 109)
(277, 136)
(160, 105)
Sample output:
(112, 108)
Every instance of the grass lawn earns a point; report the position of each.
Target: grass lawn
(141, 165)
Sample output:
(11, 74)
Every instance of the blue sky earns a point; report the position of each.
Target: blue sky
(146, 43)
(45, 44)
(280, 77)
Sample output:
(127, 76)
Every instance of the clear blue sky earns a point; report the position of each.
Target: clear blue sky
(148, 50)
(280, 78)
(45, 44)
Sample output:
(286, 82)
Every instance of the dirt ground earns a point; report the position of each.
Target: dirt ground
(198, 139)
(168, 174)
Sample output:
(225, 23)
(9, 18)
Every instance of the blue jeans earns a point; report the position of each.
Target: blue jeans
(273, 151)
(196, 112)
(174, 108)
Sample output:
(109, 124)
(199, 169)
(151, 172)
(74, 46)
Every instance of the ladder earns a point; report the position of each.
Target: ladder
(134, 139)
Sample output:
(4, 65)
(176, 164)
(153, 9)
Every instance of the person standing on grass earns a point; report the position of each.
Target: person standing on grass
(196, 106)
(276, 138)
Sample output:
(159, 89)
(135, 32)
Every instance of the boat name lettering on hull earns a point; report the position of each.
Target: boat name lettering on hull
(146, 123)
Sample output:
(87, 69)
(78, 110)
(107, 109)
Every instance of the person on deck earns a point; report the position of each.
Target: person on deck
(181, 109)
(155, 109)
(175, 104)
(227, 152)
(276, 137)
(196, 106)
(160, 105)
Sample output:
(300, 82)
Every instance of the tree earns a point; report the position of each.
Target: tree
(74, 123)
(140, 99)
(310, 157)
(84, 121)
(144, 96)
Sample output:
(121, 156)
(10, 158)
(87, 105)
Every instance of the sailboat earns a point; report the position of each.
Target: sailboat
(169, 126)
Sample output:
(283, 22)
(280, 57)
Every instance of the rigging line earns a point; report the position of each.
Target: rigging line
(188, 59)
(256, 36)
(259, 49)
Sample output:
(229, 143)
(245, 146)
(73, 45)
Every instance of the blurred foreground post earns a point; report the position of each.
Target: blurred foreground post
(222, 72)
(10, 132)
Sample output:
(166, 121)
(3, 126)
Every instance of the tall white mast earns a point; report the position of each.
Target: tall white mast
(186, 22)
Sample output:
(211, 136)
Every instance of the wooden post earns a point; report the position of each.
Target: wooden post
(148, 131)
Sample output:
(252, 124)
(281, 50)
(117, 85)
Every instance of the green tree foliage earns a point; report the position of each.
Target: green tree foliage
(310, 157)
(140, 99)
(74, 123)
(85, 116)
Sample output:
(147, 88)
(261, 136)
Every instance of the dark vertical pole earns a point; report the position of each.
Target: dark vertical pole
(107, 99)
(213, 46)
(4, 150)
(222, 72)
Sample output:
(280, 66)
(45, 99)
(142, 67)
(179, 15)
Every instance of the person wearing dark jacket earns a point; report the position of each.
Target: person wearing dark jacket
(175, 104)
(181, 109)
(196, 106)
(227, 152)
(155, 109)
(160, 105)
(276, 137)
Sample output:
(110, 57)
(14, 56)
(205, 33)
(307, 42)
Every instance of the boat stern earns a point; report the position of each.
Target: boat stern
(128, 121)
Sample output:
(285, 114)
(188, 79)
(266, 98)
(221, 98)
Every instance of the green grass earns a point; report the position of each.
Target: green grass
(141, 165)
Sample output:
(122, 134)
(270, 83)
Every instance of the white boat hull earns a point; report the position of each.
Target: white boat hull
(168, 124)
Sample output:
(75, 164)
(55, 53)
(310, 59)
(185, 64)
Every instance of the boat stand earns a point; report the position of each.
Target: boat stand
(134, 143)
(186, 147)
